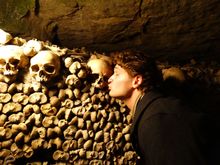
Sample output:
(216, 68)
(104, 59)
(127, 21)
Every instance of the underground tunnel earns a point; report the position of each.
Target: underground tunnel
(67, 115)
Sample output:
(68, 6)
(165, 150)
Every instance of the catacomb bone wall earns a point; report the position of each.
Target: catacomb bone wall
(64, 119)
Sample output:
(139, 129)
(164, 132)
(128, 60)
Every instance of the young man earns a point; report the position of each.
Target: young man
(164, 131)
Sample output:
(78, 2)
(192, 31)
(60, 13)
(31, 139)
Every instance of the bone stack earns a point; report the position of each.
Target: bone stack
(68, 121)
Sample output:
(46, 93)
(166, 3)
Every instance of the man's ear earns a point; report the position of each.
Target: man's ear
(138, 79)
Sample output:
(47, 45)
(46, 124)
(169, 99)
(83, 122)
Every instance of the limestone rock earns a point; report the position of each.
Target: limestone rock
(178, 29)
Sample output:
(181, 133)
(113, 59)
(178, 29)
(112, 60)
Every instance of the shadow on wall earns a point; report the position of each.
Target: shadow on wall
(202, 97)
(195, 81)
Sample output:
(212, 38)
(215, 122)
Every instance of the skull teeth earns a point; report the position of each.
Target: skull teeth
(42, 78)
(10, 72)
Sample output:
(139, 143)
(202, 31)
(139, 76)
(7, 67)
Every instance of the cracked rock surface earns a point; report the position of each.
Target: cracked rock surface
(167, 29)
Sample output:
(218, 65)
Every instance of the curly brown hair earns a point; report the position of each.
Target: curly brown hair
(138, 63)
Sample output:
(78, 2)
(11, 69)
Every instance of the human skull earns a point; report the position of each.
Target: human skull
(101, 71)
(45, 65)
(4, 37)
(32, 47)
(12, 59)
(173, 73)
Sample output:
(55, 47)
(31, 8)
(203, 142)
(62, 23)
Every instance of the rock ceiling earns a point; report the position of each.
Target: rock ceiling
(168, 29)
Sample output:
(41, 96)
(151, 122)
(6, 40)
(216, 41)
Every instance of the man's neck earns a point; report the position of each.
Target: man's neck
(131, 101)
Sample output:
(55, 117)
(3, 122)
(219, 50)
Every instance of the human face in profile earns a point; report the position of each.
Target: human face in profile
(120, 83)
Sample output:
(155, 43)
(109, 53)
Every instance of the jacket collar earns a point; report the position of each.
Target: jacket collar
(145, 101)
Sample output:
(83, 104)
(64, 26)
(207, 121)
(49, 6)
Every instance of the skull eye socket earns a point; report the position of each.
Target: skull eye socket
(94, 76)
(49, 68)
(35, 68)
(105, 78)
(2, 62)
(14, 62)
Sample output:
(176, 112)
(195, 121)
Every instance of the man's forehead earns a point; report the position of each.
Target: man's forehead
(118, 67)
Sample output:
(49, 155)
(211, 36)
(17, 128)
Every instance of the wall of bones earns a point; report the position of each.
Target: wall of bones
(55, 108)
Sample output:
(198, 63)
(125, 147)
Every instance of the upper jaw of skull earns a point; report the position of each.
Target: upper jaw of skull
(9, 67)
(101, 71)
(12, 59)
(43, 72)
(44, 66)
(99, 80)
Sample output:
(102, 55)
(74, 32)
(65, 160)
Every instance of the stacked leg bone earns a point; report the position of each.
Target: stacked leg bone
(58, 115)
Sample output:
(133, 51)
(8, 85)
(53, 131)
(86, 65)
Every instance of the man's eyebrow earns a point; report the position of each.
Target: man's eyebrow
(116, 68)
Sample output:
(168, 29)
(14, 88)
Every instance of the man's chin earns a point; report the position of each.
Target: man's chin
(111, 94)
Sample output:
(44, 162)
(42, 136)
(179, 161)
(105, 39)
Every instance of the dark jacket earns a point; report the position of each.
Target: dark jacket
(166, 132)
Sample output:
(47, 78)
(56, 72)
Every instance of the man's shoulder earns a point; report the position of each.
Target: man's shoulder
(166, 105)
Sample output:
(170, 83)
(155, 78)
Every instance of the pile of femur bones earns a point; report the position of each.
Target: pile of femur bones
(55, 100)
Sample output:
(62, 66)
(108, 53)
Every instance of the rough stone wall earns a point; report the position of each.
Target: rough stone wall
(179, 29)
